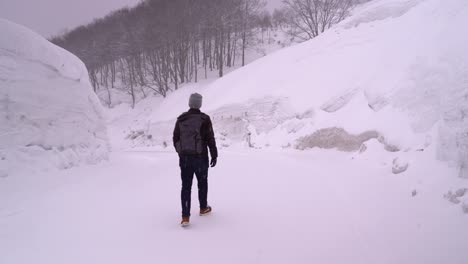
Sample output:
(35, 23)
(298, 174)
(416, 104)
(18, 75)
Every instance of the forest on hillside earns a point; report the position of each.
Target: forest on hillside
(159, 44)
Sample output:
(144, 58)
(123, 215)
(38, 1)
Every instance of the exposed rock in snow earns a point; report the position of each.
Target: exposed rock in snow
(363, 148)
(463, 170)
(49, 115)
(342, 140)
(459, 197)
(334, 137)
(454, 197)
(465, 208)
(399, 166)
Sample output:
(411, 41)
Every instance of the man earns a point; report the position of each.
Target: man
(193, 136)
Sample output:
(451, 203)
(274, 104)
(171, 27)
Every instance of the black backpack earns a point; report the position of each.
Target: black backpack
(191, 142)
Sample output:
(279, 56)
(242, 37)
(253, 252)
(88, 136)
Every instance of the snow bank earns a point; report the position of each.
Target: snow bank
(49, 115)
(396, 67)
(399, 67)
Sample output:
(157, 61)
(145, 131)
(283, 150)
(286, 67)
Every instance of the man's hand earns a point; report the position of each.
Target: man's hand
(213, 162)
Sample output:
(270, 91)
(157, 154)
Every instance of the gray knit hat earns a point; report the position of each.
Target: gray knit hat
(195, 101)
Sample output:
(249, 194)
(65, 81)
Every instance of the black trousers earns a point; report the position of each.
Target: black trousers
(190, 165)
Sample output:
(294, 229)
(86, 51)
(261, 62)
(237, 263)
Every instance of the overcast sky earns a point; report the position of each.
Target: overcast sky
(50, 17)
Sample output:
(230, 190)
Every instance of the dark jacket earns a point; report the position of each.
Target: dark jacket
(206, 133)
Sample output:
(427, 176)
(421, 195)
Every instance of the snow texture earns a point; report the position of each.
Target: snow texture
(269, 207)
(49, 115)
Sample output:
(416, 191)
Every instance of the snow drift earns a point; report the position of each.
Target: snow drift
(397, 67)
(49, 115)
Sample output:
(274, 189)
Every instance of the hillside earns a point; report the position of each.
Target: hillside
(395, 67)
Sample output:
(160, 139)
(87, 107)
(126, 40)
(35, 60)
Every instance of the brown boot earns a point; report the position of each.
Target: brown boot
(205, 211)
(185, 221)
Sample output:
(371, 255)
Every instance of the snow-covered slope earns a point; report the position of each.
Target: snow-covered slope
(49, 115)
(396, 68)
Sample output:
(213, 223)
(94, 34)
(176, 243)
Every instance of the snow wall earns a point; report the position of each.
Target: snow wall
(49, 114)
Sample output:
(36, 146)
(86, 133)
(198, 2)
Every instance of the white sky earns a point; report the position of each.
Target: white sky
(49, 17)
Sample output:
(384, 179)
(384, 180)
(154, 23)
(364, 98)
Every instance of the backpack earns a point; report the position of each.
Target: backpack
(190, 142)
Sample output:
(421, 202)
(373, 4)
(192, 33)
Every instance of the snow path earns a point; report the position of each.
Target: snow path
(284, 207)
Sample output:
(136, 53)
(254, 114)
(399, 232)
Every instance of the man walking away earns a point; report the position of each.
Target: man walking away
(193, 136)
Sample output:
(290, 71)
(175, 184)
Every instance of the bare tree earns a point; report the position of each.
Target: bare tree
(309, 18)
(279, 18)
(160, 44)
(250, 9)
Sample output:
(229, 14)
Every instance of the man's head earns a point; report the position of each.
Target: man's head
(195, 101)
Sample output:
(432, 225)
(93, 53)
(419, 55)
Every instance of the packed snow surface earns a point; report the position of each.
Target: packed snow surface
(269, 207)
(49, 115)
